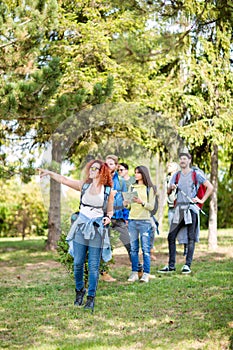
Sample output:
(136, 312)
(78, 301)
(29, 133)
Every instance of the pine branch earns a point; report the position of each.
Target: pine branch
(13, 42)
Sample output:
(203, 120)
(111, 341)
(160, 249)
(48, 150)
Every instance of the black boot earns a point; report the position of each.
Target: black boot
(79, 296)
(90, 303)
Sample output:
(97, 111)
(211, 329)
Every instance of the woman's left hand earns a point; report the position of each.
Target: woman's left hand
(137, 200)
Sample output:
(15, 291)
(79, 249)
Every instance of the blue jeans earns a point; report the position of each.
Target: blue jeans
(94, 248)
(140, 228)
(152, 238)
(191, 231)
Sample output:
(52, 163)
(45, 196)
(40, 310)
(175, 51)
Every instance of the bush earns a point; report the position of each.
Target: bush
(64, 257)
(62, 248)
(22, 211)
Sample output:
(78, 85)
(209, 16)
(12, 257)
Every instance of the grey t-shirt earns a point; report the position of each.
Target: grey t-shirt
(129, 182)
(187, 185)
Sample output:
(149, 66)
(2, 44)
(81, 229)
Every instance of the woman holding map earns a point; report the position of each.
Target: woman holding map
(139, 226)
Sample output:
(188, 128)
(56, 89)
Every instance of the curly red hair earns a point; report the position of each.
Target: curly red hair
(105, 173)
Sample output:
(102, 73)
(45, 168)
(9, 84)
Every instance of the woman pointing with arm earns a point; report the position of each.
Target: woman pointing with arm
(96, 209)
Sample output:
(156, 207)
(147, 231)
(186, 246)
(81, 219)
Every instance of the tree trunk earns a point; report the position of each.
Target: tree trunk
(161, 190)
(54, 222)
(212, 234)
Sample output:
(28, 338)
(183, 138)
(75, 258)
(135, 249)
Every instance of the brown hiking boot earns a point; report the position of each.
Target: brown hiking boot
(107, 278)
(140, 270)
(140, 273)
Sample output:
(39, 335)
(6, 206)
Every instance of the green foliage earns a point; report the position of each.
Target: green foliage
(225, 202)
(171, 60)
(22, 211)
(64, 257)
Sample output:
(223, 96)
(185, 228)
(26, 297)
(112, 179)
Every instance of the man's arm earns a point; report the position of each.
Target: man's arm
(209, 191)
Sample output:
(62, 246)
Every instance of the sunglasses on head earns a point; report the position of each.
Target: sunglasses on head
(94, 168)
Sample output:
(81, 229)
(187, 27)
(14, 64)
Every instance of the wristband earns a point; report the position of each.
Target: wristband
(143, 204)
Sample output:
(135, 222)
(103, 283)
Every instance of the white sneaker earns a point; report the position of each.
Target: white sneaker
(145, 277)
(133, 277)
(186, 269)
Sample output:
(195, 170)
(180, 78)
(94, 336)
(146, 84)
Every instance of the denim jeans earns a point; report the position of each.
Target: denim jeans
(152, 238)
(191, 231)
(94, 248)
(140, 228)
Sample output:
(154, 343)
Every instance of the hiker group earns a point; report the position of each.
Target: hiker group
(112, 201)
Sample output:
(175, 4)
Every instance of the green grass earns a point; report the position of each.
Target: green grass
(171, 312)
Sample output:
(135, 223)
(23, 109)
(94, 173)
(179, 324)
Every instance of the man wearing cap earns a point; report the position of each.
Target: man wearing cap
(186, 213)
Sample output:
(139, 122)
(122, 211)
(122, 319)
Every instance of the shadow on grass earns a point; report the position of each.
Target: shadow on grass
(166, 311)
(37, 310)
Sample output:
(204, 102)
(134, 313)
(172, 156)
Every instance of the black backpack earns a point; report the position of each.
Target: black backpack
(107, 190)
(156, 204)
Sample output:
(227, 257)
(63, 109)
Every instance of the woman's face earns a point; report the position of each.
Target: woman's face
(138, 175)
(94, 171)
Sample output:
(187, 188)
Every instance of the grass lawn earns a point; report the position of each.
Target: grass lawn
(174, 312)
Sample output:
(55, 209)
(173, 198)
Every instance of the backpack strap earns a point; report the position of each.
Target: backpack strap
(107, 190)
(147, 193)
(177, 177)
(83, 190)
(194, 177)
(155, 209)
(196, 183)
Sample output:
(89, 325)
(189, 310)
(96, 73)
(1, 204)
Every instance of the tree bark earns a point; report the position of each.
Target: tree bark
(54, 220)
(161, 191)
(212, 234)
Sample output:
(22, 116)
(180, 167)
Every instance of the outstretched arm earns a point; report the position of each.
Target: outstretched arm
(75, 184)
